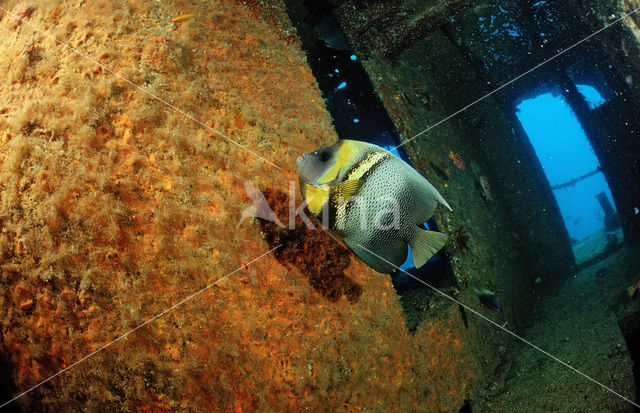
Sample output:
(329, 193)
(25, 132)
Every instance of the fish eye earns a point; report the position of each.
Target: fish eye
(323, 156)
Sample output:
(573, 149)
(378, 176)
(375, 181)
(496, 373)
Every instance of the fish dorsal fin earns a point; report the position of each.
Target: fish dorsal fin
(427, 197)
(424, 245)
(345, 190)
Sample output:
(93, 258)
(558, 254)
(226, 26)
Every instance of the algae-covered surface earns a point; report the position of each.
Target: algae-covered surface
(115, 206)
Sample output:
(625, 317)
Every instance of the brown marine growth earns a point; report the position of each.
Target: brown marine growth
(459, 241)
(311, 252)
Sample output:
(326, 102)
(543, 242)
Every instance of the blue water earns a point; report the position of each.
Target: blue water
(591, 95)
(565, 153)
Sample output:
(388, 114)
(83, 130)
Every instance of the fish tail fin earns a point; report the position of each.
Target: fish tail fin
(425, 244)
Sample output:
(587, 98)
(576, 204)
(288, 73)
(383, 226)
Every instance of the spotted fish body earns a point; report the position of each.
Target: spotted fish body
(372, 201)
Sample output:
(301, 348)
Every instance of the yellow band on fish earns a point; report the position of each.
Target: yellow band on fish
(356, 175)
(367, 163)
(316, 198)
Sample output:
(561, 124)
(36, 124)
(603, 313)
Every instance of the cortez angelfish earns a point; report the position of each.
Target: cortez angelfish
(372, 201)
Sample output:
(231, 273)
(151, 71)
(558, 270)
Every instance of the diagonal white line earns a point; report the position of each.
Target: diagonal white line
(516, 78)
(153, 95)
(504, 329)
(184, 300)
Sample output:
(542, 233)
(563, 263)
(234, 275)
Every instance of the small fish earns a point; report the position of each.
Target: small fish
(372, 201)
(488, 299)
(457, 160)
(633, 290)
(184, 18)
(328, 31)
(486, 190)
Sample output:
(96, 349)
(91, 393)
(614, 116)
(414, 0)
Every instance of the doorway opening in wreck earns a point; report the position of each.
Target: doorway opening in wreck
(573, 169)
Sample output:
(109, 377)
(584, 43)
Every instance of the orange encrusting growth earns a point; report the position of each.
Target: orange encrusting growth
(113, 207)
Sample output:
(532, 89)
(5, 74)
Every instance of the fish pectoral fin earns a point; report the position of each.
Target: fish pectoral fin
(424, 245)
(345, 190)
